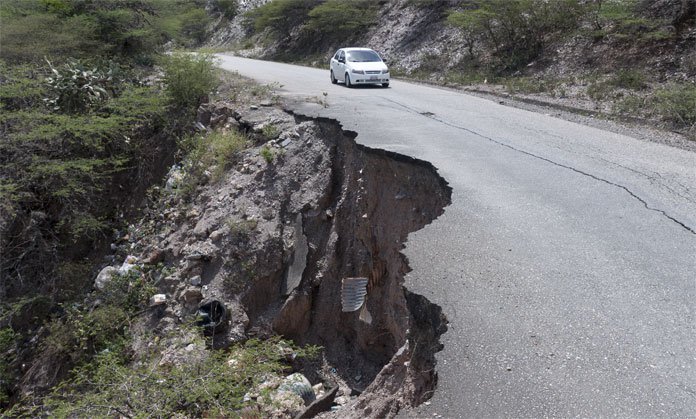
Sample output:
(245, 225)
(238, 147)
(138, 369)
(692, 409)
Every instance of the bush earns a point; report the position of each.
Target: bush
(21, 87)
(337, 19)
(628, 79)
(56, 170)
(279, 16)
(622, 20)
(267, 154)
(194, 25)
(677, 105)
(130, 30)
(516, 30)
(212, 386)
(75, 88)
(33, 30)
(529, 85)
(214, 151)
(30, 35)
(82, 332)
(189, 78)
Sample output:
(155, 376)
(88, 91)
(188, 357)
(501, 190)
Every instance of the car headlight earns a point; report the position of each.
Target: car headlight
(357, 72)
(385, 71)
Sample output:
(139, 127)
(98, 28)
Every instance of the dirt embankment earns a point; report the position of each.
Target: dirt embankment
(271, 240)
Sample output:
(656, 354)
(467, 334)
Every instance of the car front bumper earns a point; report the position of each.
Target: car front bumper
(369, 78)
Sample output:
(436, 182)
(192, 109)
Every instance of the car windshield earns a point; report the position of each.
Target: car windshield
(363, 56)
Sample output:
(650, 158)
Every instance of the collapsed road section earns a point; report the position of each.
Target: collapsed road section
(265, 248)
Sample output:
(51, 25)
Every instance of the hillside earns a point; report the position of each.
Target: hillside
(626, 59)
(170, 236)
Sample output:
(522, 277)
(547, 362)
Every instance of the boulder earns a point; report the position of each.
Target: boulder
(104, 277)
(192, 295)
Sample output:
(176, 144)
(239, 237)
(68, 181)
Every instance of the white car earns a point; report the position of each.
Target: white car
(355, 66)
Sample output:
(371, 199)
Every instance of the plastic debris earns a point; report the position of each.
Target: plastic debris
(174, 177)
(128, 264)
(211, 316)
(158, 299)
(353, 292)
(195, 281)
(300, 385)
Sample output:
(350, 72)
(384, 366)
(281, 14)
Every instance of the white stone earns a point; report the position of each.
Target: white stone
(104, 277)
(158, 299)
(128, 265)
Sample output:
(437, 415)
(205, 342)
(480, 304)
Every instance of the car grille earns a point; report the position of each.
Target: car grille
(373, 72)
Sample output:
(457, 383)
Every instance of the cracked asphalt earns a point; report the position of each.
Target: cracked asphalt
(566, 263)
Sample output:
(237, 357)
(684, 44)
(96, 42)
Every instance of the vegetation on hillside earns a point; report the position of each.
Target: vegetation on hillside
(319, 22)
(87, 124)
(504, 38)
(515, 31)
(211, 386)
(512, 42)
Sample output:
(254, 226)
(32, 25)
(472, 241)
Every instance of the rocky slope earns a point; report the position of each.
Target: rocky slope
(272, 240)
(262, 249)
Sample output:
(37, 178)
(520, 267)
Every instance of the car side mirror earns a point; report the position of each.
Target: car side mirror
(342, 60)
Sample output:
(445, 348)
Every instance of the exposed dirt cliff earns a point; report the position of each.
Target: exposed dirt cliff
(262, 249)
(272, 241)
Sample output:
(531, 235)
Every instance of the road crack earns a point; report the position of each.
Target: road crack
(429, 115)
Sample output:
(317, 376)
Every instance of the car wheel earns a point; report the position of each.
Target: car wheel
(348, 83)
(385, 84)
(333, 79)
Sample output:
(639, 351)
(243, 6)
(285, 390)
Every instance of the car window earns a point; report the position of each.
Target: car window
(342, 55)
(363, 57)
(338, 53)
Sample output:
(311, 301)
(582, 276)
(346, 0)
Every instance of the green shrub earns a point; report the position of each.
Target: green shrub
(677, 105)
(633, 105)
(241, 229)
(221, 148)
(213, 152)
(193, 25)
(267, 153)
(60, 167)
(189, 78)
(213, 386)
(129, 292)
(622, 20)
(82, 332)
(76, 88)
(270, 131)
(129, 29)
(628, 79)
(279, 16)
(337, 19)
(516, 30)
(35, 29)
(30, 35)
(20, 87)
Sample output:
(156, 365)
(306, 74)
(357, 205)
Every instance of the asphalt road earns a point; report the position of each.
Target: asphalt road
(566, 263)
